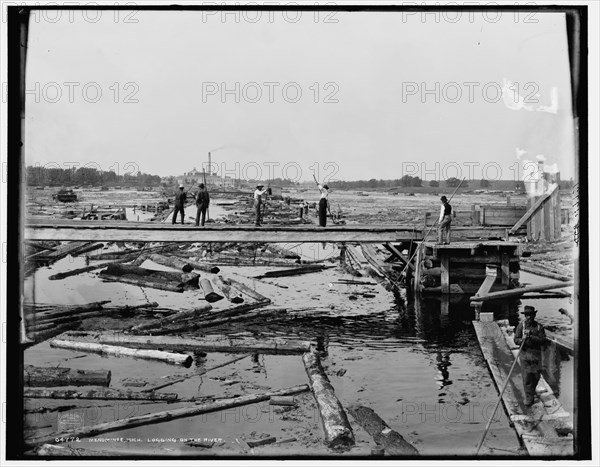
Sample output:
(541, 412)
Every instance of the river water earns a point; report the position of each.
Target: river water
(415, 361)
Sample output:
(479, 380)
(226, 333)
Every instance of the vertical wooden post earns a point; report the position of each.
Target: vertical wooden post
(445, 305)
(445, 272)
(505, 269)
(418, 261)
(473, 219)
(342, 253)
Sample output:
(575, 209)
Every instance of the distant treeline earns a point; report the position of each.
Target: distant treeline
(407, 182)
(50, 176)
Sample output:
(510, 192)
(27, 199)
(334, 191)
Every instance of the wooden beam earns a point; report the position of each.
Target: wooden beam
(535, 208)
(392, 249)
(520, 291)
(445, 275)
(58, 229)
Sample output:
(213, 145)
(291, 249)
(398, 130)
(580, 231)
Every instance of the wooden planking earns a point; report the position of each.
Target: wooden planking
(534, 209)
(539, 436)
(59, 229)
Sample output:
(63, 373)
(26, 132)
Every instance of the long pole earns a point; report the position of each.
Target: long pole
(206, 187)
(427, 234)
(489, 423)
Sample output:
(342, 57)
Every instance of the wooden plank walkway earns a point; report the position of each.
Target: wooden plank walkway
(535, 425)
(77, 230)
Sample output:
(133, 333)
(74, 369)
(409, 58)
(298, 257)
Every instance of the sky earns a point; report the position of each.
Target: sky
(354, 95)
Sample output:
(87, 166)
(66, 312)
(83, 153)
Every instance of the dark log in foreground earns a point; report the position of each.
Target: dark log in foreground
(382, 434)
(191, 375)
(209, 294)
(168, 357)
(338, 432)
(294, 271)
(199, 266)
(231, 294)
(49, 377)
(205, 344)
(174, 318)
(96, 393)
(168, 415)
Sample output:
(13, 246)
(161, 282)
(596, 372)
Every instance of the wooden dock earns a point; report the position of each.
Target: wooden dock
(461, 267)
(545, 428)
(73, 230)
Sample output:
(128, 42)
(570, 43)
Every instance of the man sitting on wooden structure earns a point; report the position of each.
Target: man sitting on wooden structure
(445, 222)
(534, 336)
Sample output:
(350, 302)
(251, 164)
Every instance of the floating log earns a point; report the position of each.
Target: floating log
(170, 261)
(174, 318)
(520, 291)
(209, 294)
(143, 283)
(246, 317)
(46, 377)
(168, 415)
(39, 336)
(382, 434)
(96, 393)
(335, 422)
(282, 400)
(87, 248)
(248, 291)
(205, 344)
(191, 375)
(226, 289)
(168, 357)
(261, 441)
(52, 450)
(74, 272)
(56, 311)
(198, 265)
(209, 320)
(294, 271)
(540, 271)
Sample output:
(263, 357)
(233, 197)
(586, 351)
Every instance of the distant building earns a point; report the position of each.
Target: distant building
(195, 176)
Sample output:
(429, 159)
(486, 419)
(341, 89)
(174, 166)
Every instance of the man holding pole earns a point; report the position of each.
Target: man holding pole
(180, 198)
(445, 221)
(531, 334)
(202, 202)
(258, 194)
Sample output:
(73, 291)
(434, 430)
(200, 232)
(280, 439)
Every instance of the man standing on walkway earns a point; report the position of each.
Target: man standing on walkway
(445, 220)
(202, 202)
(258, 194)
(530, 358)
(323, 204)
(180, 198)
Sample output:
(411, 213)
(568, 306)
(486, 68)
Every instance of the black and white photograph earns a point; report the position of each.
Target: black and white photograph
(306, 231)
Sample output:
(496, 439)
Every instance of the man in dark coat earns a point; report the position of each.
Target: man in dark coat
(180, 198)
(533, 335)
(202, 202)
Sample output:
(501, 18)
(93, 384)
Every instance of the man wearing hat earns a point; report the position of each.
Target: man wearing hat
(202, 202)
(258, 194)
(445, 220)
(180, 198)
(323, 204)
(531, 334)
